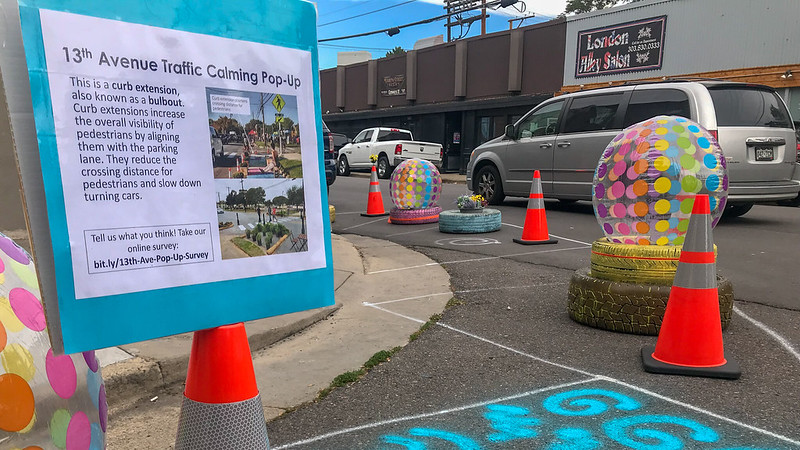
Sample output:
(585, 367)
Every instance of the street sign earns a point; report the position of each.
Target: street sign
(278, 102)
(128, 243)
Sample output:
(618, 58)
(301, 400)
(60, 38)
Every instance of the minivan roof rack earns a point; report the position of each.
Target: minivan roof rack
(675, 80)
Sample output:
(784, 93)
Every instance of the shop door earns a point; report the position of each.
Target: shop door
(452, 143)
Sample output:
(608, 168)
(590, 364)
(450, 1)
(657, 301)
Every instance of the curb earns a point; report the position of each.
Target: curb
(142, 376)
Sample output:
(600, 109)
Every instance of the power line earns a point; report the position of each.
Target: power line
(366, 13)
(397, 28)
(356, 5)
(355, 47)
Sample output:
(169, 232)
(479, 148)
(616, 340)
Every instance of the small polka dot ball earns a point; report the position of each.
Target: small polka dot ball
(647, 177)
(415, 184)
(47, 401)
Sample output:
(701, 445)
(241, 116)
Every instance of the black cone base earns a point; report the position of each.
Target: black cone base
(729, 370)
(548, 241)
(375, 215)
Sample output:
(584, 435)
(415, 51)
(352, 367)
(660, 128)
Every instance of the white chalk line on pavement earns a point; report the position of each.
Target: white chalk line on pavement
(769, 331)
(431, 414)
(463, 291)
(395, 313)
(365, 223)
(407, 298)
(410, 232)
(348, 213)
(560, 237)
(613, 380)
(486, 258)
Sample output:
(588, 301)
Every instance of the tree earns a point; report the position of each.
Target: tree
(295, 195)
(225, 124)
(253, 124)
(255, 196)
(396, 51)
(280, 200)
(230, 200)
(583, 6)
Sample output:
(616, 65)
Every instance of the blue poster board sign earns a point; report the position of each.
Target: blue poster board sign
(175, 199)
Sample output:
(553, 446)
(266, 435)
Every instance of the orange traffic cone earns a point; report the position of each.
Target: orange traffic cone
(374, 201)
(690, 339)
(534, 230)
(221, 405)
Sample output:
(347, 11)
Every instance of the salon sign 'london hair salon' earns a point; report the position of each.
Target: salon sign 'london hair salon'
(627, 47)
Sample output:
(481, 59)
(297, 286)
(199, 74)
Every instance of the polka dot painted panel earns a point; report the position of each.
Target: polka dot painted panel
(48, 401)
(647, 177)
(415, 184)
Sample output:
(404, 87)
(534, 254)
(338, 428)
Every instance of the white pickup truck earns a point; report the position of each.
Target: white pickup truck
(392, 146)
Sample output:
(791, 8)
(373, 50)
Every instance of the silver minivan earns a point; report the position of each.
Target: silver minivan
(564, 137)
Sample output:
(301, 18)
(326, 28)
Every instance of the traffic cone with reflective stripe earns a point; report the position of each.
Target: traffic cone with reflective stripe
(534, 231)
(690, 339)
(374, 200)
(221, 404)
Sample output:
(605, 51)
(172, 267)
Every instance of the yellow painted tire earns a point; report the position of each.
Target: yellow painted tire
(332, 212)
(629, 307)
(652, 264)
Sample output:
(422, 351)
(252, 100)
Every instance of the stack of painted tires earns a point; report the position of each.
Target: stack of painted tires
(627, 287)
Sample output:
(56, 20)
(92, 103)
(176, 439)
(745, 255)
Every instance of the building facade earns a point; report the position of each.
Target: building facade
(463, 93)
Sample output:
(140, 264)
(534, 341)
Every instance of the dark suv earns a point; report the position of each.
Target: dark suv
(331, 143)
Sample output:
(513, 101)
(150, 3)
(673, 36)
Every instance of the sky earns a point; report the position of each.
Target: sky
(337, 18)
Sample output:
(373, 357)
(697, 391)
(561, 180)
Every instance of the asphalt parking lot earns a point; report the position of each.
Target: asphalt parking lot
(507, 368)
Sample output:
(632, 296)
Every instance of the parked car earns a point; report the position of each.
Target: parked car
(216, 143)
(329, 154)
(795, 201)
(563, 137)
(392, 145)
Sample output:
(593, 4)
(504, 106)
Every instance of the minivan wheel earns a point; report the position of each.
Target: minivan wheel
(737, 209)
(384, 169)
(489, 186)
(343, 167)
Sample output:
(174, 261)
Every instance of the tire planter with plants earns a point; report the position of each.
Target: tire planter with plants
(483, 220)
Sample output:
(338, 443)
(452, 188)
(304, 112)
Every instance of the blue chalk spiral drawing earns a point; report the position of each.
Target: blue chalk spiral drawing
(618, 429)
(574, 439)
(460, 442)
(588, 406)
(510, 423)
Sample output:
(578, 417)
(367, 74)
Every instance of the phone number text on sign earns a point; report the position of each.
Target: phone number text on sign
(118, 249)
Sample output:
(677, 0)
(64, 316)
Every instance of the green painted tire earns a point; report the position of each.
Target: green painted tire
(482, 221)
(629, 307)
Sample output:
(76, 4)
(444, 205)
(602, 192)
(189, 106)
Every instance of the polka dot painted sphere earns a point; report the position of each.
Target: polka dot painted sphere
(647, 177)
(415, 184)
(47, 401)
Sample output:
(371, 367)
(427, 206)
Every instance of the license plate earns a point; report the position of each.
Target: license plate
(765, 154)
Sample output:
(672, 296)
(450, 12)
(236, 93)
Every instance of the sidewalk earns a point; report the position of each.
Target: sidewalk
(297, 355)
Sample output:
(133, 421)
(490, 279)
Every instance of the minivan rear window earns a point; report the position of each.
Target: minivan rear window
(749, 107)
(647, 103)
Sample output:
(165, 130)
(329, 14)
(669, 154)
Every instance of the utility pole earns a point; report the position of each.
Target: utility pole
(457, 7)
(483, 17)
